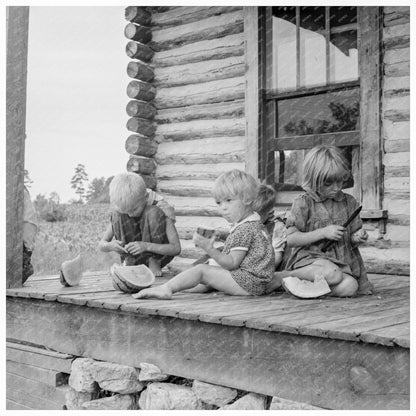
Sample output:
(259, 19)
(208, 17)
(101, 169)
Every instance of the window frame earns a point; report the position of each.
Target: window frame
(368, 137)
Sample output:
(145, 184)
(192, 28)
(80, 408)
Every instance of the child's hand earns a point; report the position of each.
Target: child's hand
(333, 232)
(136, 247)
(202, 242)
(359, 236)
(116, 245)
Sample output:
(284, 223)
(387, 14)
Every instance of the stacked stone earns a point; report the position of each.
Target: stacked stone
(147, 388)
(142, 144)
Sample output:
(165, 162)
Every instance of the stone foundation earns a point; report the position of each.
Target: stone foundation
(98, 385)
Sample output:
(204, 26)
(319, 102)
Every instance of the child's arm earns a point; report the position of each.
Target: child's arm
(279, 240)
(227, 261)
(296, 238)
(172, 248)
(108, 244)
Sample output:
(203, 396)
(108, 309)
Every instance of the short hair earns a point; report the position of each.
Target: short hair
(126, 190)
(265, 198)
(236, 184)
(324, 164)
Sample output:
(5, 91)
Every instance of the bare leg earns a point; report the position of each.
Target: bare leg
(200, 288)
(320, 267)
(347, 287)
(154, 266)
(213, 276)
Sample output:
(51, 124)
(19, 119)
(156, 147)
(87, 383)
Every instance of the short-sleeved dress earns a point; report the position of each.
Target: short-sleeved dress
(256, 269)
(310, 212)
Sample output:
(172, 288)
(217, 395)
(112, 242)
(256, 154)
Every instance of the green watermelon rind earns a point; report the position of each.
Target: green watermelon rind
(304, 289)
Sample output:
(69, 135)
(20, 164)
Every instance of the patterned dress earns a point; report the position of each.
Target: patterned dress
(310, 212)
(256, 269)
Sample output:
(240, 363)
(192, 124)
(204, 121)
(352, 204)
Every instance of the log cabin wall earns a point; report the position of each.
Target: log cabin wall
(194, 86)
(396, 123)
(199, 69)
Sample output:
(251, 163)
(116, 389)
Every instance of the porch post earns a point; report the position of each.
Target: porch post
(16, 73)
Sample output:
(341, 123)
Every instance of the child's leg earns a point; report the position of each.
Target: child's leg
(153, 230)
(347, 287)
(213, 276)
(319, 268)
(200, 288)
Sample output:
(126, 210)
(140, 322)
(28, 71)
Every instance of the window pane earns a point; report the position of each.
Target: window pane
(320, 113)
(284, 48)
(343, 58)
(341, 16)
(312, 47)
(289, 168)
(343, 50)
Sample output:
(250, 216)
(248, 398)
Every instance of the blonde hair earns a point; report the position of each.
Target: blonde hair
(324, 164)
(265, 198)
(236, 184)
(126, 191)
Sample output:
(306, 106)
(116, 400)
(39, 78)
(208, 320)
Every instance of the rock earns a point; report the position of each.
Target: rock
(283, 404)
(116, 402)
(250, 401)
(81, 378)
(213, 394)
(74, 399)
(150, 372)
(168, 396)
(116, 377)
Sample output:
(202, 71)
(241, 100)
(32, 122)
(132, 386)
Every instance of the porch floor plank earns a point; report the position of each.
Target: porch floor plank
(380, 318)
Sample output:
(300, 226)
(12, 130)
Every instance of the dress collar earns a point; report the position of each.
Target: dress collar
(250, 218)
(339, 196)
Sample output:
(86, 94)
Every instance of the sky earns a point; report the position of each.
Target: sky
(76, 96)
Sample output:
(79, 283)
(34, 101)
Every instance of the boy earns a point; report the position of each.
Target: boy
(142, 228)
(276, 229)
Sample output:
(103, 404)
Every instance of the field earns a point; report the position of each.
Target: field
(63, 240)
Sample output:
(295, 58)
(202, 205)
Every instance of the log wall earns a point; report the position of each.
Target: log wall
(396, 122)
(199, 76)
(188, 99)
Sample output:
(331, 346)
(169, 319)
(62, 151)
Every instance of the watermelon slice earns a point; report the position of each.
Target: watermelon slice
(71, 272)
(304, 288)
(131, 279)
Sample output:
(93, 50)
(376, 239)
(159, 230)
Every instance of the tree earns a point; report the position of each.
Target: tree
(78, 181)
(99, 192)
(26, 179)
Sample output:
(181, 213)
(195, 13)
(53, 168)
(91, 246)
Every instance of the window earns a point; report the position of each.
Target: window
(319, 76)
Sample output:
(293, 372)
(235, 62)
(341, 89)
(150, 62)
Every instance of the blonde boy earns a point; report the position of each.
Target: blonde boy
(142, 228)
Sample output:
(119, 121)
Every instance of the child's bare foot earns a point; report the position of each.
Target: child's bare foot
(158, 292)
(154, 266)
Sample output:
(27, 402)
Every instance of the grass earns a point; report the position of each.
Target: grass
(64, 240)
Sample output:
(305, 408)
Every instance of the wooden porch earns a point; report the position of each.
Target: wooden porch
(331, 353)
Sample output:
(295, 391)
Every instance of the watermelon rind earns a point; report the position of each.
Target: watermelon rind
(71, 271)
(305, 289)
(131, 279)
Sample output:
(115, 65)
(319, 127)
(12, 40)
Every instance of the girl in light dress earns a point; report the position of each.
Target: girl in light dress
(246, 263)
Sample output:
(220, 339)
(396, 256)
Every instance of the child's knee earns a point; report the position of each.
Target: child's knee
(347, 287)
(332, 274)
